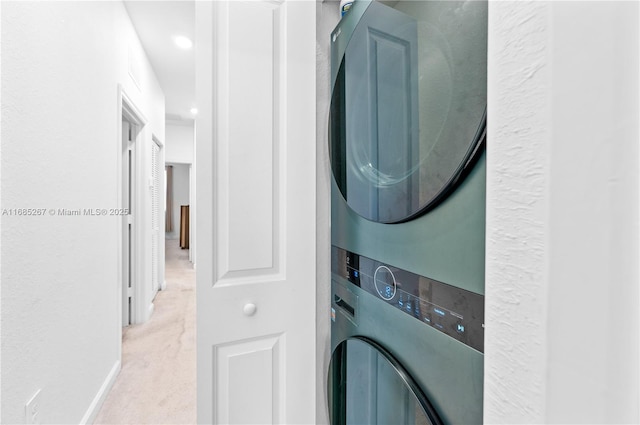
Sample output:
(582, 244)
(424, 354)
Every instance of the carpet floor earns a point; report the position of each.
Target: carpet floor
(157, 383)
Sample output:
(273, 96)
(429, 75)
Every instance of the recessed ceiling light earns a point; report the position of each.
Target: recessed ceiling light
(183, 42)
(194, 111)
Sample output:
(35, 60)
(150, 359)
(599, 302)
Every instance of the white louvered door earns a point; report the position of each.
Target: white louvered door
(156, 171)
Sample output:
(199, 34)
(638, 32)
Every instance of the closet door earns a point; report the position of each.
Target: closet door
(255, 148)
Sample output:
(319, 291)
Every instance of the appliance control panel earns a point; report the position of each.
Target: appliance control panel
(453, 311)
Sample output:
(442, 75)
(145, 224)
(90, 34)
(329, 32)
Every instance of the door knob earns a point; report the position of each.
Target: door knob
(249, 309)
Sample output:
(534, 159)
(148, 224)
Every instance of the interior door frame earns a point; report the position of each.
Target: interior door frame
(128, 110)
(161, 217)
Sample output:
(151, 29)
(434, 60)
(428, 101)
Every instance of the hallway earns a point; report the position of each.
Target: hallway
(157, 383)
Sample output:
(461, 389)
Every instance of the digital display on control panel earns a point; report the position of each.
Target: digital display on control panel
(454, 311)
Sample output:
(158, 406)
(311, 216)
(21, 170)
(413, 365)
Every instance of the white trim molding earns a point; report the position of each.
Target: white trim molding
(101, 395)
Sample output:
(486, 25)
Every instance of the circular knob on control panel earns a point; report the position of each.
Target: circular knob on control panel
(249, 309)
(385, 282)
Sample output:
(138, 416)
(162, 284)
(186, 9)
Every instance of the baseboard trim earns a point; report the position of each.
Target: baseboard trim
(151, 309)
(163, 285)
(98, 400)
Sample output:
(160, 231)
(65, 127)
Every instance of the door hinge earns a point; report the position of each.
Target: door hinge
(130, 292)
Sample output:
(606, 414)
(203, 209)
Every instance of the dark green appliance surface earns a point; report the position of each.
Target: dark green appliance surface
(446, 244)
(449, 373)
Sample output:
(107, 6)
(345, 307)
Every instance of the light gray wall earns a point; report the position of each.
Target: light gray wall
(61, 66)
(180, 196)
(180, 142)
(327, 17)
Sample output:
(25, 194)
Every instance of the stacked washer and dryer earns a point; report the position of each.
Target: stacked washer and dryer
(407, 136)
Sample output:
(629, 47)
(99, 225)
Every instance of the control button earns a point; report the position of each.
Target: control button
(385, 282)
(439, 311)
(459, 328)
(388, 291)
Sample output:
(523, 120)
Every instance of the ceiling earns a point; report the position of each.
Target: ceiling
(156, 23)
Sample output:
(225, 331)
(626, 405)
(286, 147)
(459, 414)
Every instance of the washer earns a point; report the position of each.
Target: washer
(407, 134)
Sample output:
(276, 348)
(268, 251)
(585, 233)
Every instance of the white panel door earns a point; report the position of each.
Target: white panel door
(256, 211)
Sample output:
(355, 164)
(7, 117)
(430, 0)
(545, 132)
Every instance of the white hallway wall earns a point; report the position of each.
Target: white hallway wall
(179, 144)
(61, 66)
(562, 213)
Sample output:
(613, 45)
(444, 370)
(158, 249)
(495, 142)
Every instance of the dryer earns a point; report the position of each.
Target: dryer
(407, 134)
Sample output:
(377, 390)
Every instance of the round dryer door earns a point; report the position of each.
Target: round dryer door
(408, 109)
(368, 386)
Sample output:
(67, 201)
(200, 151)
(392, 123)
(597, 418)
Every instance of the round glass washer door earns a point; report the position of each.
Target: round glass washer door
(408, 109)
(368, 386)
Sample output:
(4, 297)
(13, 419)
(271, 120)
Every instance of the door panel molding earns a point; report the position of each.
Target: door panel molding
(244, 372)
(251, 142)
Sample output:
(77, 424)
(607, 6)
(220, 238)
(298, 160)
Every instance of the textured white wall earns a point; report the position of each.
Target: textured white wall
(562, 213)
(180, 142)
(517, 213)
(61, 66)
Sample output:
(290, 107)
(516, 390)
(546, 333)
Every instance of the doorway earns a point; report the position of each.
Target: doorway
(180, 204)
(132, 125)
